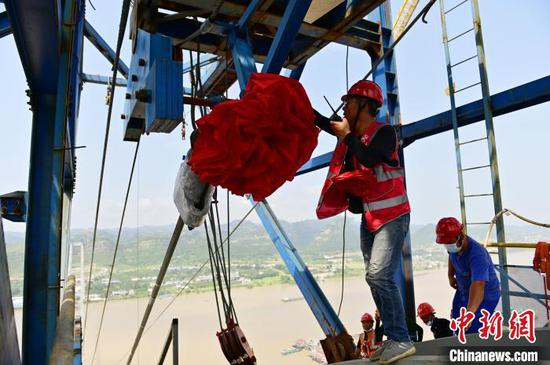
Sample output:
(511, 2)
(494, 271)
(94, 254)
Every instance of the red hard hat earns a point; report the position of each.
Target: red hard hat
(424, 309)
(366, 89)
(366, 318)
(447, 230)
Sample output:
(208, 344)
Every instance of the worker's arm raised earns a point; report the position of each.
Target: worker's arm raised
(323, 122)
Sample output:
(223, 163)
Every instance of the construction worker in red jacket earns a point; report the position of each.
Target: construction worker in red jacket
(365, 177)
(367, 339)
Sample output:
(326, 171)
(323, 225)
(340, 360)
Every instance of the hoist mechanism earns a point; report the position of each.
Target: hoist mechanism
(232, 340)
(155, 84)
(234, 345)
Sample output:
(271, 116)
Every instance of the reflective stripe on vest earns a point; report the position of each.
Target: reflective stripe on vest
(367, 344)
(386, 203)
(382, 175)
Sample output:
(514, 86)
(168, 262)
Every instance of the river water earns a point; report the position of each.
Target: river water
(269, 323)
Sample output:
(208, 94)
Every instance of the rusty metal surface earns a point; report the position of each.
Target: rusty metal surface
(338, 348)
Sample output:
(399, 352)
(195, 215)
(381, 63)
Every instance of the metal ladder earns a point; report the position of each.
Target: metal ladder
(489, 138)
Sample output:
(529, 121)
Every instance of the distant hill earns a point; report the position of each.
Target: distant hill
(315, 240)
(310, 237)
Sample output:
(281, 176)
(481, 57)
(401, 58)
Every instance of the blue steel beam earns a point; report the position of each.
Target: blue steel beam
(251, 8)
(297, 72)
(103, 80)
(14, 206)
(385, 75)
(44, 51)
(313, 294)
(40, 300)
(36, 26)
(5, 26)
(67, 100)
(104, 48)
(243, 59)
(37, 32)
(213, 34)
(286, 33)
(316, 163)
(73, 99)
(517, 98)
(120, 82)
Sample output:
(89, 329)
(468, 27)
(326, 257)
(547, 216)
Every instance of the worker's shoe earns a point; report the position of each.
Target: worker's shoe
(375, 356)
(396, 351)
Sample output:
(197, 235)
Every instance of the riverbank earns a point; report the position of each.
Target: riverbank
(270, 324)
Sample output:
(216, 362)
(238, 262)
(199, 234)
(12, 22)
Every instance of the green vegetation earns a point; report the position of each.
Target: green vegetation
(254, 259)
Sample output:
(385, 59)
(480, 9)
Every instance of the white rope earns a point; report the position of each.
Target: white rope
(508, 212)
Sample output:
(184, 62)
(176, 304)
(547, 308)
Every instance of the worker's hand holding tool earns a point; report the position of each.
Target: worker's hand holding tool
(335, 118)
(340, 128)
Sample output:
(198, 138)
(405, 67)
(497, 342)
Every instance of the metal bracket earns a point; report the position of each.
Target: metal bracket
(13, 206)
(155, 88)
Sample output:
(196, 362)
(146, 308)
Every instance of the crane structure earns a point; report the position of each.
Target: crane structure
(404, 16)
(237, 35)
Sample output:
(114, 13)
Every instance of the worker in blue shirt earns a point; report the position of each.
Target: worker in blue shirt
(471, 272)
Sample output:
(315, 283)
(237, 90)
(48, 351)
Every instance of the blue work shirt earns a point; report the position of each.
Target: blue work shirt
(472, 265)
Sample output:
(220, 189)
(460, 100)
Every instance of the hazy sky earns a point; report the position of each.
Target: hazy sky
(517, 44)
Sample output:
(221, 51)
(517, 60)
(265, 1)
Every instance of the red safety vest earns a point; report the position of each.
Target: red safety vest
(381, 188)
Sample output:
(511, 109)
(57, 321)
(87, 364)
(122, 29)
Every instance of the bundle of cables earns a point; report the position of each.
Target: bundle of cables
(255, 144)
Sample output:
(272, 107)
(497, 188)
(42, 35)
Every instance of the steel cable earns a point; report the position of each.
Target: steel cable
(147, 313)
(116, 251)
(389, 50)
(343, 263)
(121, 30)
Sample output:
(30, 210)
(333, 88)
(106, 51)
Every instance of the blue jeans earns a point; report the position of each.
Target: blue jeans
(381, 253)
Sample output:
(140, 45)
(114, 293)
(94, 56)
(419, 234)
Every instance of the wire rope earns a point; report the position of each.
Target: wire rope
(345, 212)
(226, 265)
(343, 263)
(347, 68)
(219, 266)
(116, 251)
(211, 260)
(136, 288)
(197, 272)
(389, 50)
(121, 30)
(508, 212)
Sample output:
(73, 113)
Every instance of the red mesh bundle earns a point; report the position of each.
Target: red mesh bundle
(253, 145)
